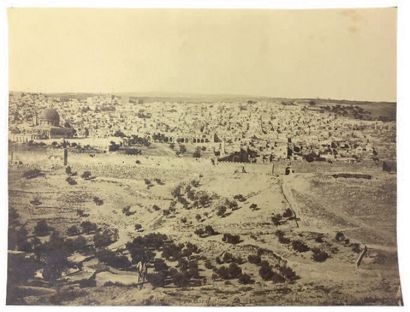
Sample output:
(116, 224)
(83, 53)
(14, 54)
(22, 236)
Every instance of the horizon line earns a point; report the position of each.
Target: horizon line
(193, 95)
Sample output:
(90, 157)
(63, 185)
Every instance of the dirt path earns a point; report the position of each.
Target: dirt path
(286, 184)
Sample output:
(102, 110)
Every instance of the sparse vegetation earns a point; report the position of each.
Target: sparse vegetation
(33, 173)
(42, 228)
(300, 246)
(319, 255)
(86, 175)
(98, 201)
(71, 181)
(231, 239)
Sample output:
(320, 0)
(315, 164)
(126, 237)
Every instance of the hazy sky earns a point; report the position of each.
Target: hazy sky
(347, 54)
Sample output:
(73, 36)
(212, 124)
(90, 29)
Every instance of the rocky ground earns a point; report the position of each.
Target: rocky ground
(308, 229)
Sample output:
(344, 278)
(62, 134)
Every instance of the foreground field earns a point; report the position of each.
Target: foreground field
(297, 238)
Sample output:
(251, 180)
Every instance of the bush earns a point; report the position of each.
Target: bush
(88, 227)
(166, 212)
(255, 259)
(138, 227)
(245, 279)
(281, 237)
(277, 278)
(68, 170)
(234, 270)
(127, 211)
(288, 273)
(288, 213)
(300, 246)
(160, 265)
(209, 265)
(340, 237)
(75, 244)
(80, 213)
(155, 207)
(277, 219)
(223, 272)
(319, 255)
(356, 247)
(181, 279)
(231, 239)
(253, 206)
(42, 228)
(71, 181)
(86, 175)
(156, 279)
(195, 183)
(105, 238)
(98, 201)
(240, 198)
(209, 230)
(266, 272)
(220, 212)
(73, 230)
(33, 173)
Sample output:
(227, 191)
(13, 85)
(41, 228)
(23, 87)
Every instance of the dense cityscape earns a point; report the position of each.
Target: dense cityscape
(260, 130)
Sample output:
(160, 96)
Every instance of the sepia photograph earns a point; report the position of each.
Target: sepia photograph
(202, 157)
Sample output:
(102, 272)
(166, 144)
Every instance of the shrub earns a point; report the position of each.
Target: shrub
(86, 175)
(73, 230)
(266, 272)
(253, 206)
(220, 212)
(80, 213)
(195, 183)
(166, 212)
(210, 231)
(75, 244)
(88, 227)
(209, 265)
(223, 272)
(340, 236)
(255, 259)
(156, 279)
(288, 213)
(42, 228)
(68, 170)
(281, 237)
(240, 198)
(234, 270)
(36, 201)
(127, 211)
(300, 246)
(33, 173)
(277, 278)
(356, 247)
(276, 219)
(105, 238)
(71, 181)
(245, 279)
(184, 220)
(138, 227)
(181, 279)
(198, 217)
(155, 207)
(98, 201)
(160, 265)
(232, 239)
(288, 273)
(319, 255)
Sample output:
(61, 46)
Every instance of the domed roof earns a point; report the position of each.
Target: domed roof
(51, 115)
